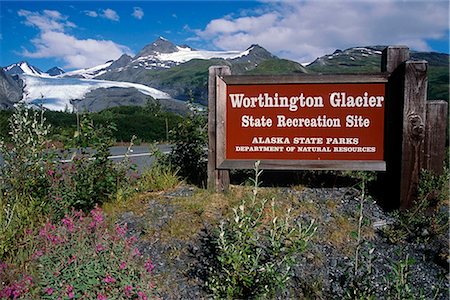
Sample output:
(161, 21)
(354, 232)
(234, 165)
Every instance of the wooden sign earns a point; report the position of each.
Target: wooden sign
(380, 122)
(301, 122)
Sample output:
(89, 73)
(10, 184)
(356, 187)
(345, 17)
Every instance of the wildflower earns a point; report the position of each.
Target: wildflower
(130, 241)
(49, 291)
(99, 248)
(70, 293)
(122, 265)
(121, 230)
(51, 172)
(109, 279)
(97, 217)
(149, 265)
(127, 291)
(71, 259)
(101, 297)
(136, 252)
(68, 223)
(142, 296)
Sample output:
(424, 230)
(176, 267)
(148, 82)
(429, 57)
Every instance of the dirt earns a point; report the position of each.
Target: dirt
(178, 237)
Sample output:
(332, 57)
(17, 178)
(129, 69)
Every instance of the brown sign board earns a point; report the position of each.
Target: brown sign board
(301, 122)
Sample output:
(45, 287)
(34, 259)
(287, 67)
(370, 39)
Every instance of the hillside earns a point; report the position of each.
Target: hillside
(368, 59)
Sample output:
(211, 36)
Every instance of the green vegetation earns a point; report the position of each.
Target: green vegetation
(277, 67)
(256, 249)
(189, 152)
(149, 123)
(426, 219)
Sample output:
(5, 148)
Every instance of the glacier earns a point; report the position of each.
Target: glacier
(57, 93)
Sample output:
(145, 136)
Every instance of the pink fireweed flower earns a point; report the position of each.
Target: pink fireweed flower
(49, 291)
(121, 230)
(142, 295)
(48, 233)
(97, 217)
(71, 259)
(149, 265)
(78, 214)
(51, 172)
(101, 297)
(122, 265)
(70, 293)
(127, 291)
(68, 223)
(136, 252)
(109, 279)
(99, 248)
(130, 241)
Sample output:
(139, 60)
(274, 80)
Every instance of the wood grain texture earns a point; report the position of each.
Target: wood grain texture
(392, 57)
(306, 78)
(218, 180)
(414, 120)
(305, 165)
(435, 133)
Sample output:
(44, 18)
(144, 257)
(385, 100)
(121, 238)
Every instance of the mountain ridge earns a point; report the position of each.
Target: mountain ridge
(182, 71)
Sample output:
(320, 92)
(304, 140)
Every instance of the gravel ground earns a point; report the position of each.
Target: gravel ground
(321, 272)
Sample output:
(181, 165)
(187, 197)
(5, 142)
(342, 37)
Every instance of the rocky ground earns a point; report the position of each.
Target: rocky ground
(175, 229)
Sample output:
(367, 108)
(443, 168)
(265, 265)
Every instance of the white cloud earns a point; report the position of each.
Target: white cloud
(75, 52)
(54, 42)
(91, 13)
(138, 13)
(48, 20)
(110, 14)
(305, 30)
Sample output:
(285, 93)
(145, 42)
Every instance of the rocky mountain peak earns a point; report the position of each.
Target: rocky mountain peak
(123, 61)
(22, 67)
(160, 45)
(55, 71)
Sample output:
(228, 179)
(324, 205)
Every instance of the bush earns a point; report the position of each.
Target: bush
(189, 152)
(90, 178)
(82, 258)
(255, 256)
(24, 179)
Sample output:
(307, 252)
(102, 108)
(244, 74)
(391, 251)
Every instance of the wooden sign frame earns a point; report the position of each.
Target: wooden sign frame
(285, 164)
(414, 128)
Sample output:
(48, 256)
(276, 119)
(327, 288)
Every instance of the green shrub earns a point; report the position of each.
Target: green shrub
(90, 178)
(255, 256)
(189, 152)
(24, 178)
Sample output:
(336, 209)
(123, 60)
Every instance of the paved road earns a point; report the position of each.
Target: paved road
(139, 155)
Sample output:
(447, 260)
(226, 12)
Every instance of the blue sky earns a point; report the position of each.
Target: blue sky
(78, 34)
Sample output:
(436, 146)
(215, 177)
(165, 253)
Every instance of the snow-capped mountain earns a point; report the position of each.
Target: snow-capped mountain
(23, 67)
(55, 71)
(145, 74)
(89, 73)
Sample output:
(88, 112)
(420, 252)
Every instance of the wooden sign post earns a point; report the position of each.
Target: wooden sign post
(325, 122)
